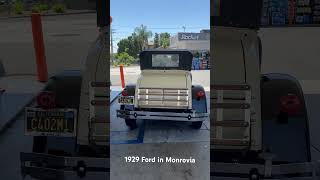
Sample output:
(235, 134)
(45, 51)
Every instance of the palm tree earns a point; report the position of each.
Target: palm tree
(143, 35)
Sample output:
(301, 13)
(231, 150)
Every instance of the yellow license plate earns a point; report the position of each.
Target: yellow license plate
(55, 122)
(126, 100)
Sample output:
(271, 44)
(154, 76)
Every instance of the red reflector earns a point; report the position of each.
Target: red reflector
(125, 93)
(46, 100)
(290, 104)
(200, 94)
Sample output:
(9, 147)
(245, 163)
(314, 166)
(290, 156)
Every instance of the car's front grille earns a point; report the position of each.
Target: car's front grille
(163, 98)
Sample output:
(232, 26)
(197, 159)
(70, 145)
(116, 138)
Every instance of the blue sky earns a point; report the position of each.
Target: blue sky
(159, 16)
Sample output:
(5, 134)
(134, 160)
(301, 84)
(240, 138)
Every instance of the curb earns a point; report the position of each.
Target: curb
(52, 14)
(12, 120)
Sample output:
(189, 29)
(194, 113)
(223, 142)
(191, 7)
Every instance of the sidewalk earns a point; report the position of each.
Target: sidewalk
(19, 92)
(49, 13)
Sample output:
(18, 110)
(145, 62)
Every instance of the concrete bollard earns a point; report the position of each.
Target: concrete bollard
(122, 76)
(39, 47)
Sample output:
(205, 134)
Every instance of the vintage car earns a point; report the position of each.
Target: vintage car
(164, 90)
(69, 121)
(259, 122)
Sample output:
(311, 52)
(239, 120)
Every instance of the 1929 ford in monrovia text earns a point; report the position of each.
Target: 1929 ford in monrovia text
(164, 90)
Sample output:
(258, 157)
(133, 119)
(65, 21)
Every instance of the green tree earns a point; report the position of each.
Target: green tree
(122, 45)
(143, 35)
(136, 42)
(18, 7)
(165, 40)
(130, 45)
(156, 40)
(124, 58)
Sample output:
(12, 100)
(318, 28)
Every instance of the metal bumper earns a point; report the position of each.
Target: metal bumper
(294, 171)
(167, 116)
(48, 167)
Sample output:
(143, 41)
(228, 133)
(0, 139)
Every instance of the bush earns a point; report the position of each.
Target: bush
(18, 7)
(38, 8)
(59, 8)
(124, 59)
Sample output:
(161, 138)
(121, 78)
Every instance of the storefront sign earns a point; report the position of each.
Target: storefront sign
(189, 37)
(193, 36)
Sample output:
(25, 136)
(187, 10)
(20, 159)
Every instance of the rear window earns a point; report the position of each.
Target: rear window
(165, 60)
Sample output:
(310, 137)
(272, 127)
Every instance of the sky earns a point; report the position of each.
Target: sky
(159, 16)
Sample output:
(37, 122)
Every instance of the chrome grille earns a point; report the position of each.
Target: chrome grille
(163, 98)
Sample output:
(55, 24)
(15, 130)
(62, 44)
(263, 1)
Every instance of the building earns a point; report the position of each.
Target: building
(150, 44)
(195, 42)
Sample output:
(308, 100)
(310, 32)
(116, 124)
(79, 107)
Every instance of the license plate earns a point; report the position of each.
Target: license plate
(55, 122)
(126, 100)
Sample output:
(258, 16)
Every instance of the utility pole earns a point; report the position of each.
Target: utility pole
(111, 41)
(184, 28)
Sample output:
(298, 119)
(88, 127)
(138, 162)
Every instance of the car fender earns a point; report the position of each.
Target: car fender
(66, 87)
(295, 128)
(199, 105)
(131, 89)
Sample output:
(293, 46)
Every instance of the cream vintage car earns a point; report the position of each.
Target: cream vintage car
(164, 90)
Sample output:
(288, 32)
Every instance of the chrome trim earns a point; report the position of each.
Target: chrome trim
(295, 170)
(167, 116)
(49, 167)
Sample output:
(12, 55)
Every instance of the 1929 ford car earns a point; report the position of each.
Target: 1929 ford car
(259, 122)
(164, 90)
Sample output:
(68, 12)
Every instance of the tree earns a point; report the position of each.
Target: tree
(122, 45)
(165, 40)
(124, 58)
(136, 42)
(143, 35)
(130, 45)
(156, 40)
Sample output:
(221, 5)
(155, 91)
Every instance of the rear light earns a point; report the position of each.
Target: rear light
(290, 104)
(46, 100)
(125, 93)
(200, 94)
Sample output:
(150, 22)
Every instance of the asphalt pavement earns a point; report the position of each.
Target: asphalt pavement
(67, 41)
(19, 91)
(12, 142)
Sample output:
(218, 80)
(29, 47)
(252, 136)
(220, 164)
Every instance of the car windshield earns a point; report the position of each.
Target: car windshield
(165, 60)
